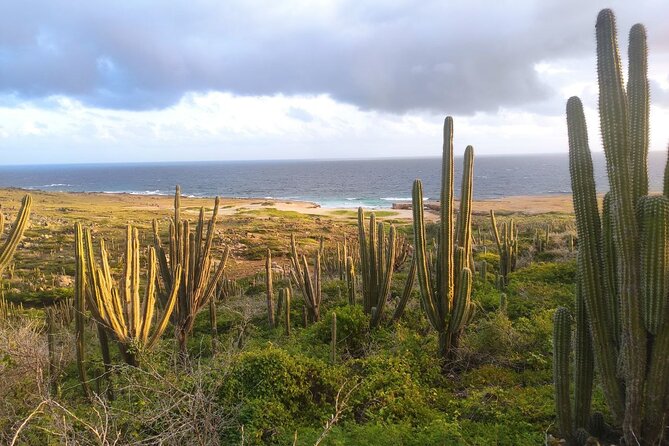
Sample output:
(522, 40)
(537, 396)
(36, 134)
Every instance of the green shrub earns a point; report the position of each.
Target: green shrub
(352, 329)
(388, 393)
(276, 391)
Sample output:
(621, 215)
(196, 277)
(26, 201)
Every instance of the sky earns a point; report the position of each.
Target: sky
(135, 81)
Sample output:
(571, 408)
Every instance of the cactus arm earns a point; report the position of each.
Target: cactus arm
(167, 312)
(269, 288)
(446, 246)
(654, 240)
(15, 233)
(588, 226)
(422, 261)
(384, 286)
(639, 109)
(561, 348)
(406, 293)
(495, 232)
(149, 297)
(80, 306)
(350, 280)
(610, 268)
(465, 214)
(583, 362)
(461, 302)
(613, 115)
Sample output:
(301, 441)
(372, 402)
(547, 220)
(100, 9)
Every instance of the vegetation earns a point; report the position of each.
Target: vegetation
(624, 289)
(500, 370)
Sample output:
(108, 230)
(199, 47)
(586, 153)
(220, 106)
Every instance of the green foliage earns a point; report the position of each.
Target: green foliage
(352, 329)
(276, 390)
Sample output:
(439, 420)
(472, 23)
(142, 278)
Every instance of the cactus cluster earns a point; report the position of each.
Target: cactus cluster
(507, 247)
(446, 289)
(120, 309)
(377, 263)
(187, 259)
(622, 255)
(310, 288)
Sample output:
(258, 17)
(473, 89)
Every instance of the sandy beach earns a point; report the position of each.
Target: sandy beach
(74, 203)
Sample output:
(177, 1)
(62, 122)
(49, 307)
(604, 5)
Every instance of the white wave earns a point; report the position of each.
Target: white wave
(401, 198)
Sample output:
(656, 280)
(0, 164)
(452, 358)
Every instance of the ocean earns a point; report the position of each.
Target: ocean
(371, 183)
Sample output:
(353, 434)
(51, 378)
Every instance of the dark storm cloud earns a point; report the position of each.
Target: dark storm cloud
(460, 56)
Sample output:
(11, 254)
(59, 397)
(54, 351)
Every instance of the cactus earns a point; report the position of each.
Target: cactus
(483, 271)
(284, 296)
(51, 346)
(188, 259)
(446, 295)
(507, 247)
(333, 339)
(121, 310)
(310, 288)
(80, 307)
(402, 251)
(350, 280)
(226, 288)
(15, 233)
(623, 261)
(377, 263)
(561, 349)
(213, 323)
(270, 289)
(406, 293)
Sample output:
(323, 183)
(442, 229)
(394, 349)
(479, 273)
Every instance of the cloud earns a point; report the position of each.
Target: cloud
(461, 57)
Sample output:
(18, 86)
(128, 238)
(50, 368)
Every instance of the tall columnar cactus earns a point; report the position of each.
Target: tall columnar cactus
(377, 263)
(188, 259)
(80, 307)
(623, 260)
(561, 349)
(446, 293)
(269, 286)
(285, 299)
(310, 288)
(15, 233)
(507, 247)
(350, 280)
(121, 310)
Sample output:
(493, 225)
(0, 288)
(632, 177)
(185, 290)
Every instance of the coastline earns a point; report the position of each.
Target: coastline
(82, 201)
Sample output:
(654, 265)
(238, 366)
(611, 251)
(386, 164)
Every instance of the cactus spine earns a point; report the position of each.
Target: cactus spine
(623, 263)
(377, 263)
(121, 310)
(188, 259)
(446, 297)
(507, 247)
(15, 233)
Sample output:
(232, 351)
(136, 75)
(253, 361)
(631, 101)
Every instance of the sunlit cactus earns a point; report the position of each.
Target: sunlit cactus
(15, 233)
(623, 263)
(446, 294)
(507, 247)
(187, 258)
(377, 264)
(120, 308)
(301, 277)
